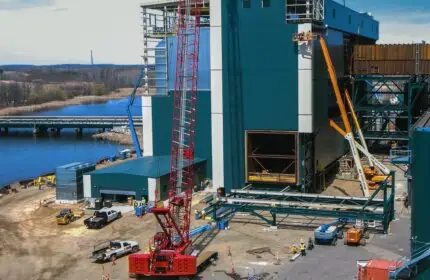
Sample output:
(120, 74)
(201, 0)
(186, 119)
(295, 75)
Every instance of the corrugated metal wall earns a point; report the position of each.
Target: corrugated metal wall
(203, 82)
(342, 18)
(162, 125)
(119, 182)
(401, 59)
(260, 83)
(329, 145)
(69, 180)
(260, 78)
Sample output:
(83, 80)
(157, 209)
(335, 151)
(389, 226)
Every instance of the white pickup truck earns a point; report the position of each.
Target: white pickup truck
(112, 250)
(101, 218)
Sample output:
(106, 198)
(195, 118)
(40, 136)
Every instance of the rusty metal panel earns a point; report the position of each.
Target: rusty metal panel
(393, 67)
(391, 59)
(392, 52)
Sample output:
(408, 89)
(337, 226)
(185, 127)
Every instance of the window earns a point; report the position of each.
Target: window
(265, 3)
(349, 19)
(334, 13)
(246, 3)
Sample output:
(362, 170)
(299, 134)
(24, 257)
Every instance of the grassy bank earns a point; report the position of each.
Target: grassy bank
(20, 110)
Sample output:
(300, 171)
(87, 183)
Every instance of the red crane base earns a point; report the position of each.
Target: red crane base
(167, 263)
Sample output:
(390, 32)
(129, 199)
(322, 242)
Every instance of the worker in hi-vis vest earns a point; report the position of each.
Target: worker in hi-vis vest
(302, 249)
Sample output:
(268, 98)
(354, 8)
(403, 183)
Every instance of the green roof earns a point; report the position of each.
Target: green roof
(152, 167)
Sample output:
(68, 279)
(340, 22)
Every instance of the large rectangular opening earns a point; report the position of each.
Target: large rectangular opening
(271, 157)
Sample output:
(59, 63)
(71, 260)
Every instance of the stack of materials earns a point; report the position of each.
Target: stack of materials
(403, 59)
(70, 186)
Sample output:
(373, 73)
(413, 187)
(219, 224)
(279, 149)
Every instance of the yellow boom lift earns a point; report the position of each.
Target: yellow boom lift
(363, 173)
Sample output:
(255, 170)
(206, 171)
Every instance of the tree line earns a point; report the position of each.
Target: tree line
(43, 84)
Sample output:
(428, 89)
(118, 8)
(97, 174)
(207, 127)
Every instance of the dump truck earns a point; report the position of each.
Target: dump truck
(110, 251)
(101, 218)
(66, 216)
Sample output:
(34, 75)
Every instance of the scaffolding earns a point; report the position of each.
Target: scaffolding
(159, 22)
(157, 25)
(305, 11)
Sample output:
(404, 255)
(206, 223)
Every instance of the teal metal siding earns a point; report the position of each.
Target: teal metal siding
(259, 78)
(162, 107)
(259, 66)
(420, 194)
(119, 182)
(361, 23)
(203, 82)
(329, 145)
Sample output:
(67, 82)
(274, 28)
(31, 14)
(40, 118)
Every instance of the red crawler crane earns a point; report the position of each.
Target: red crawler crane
(170, 249)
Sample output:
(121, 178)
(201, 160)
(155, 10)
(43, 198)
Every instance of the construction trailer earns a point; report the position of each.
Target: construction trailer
(263, 100)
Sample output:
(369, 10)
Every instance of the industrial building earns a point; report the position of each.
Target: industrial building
(262, 115)
(144, 179)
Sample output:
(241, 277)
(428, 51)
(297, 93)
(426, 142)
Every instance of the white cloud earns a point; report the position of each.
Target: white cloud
(412, 27)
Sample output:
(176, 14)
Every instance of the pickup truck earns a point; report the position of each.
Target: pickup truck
(112, 250)
(101, 218)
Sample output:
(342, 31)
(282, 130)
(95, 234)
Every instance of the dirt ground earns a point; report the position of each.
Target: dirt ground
(32, 246)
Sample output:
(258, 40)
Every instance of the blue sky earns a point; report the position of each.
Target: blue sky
(64, 31)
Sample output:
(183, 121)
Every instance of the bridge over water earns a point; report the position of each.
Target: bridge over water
(43, 123)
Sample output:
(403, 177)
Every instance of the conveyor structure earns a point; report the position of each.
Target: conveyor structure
(255, 201)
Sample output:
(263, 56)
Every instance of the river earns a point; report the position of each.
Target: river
(24, 156)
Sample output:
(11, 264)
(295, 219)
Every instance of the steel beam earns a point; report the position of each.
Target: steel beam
(315, 197)
(308, 205)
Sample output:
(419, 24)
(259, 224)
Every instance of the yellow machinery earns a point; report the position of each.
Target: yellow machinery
(365, 174)
(66, 216)
(370, 173)
(49, 180)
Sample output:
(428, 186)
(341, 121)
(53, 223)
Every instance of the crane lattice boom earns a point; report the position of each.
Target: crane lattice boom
(168, 255)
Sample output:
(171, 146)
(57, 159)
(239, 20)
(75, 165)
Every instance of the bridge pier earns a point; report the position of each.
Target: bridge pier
(55, 131)
(4, 131)
(40, 130)
(79, 131)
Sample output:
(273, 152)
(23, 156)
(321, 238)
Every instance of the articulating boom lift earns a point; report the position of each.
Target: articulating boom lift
(348, 134)
(131, 98)
(169, 256)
